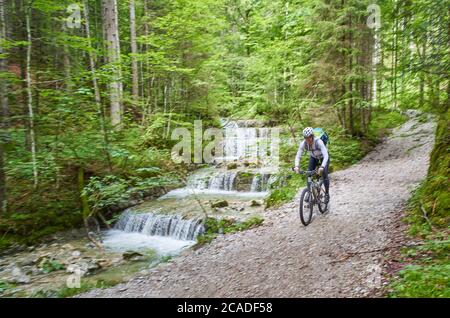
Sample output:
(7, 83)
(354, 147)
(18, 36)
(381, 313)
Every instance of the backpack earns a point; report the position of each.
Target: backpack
(320, 133)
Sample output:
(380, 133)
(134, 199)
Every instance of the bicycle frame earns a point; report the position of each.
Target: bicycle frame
(312, 183)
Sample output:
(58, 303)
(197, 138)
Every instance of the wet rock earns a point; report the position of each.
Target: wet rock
(255, 203)
(18, 276)
(83, 268)
(219, 204)
(27, 262)
(132, 256)
(102, 263)
(76, 254)
(232, 165)
(244, 181)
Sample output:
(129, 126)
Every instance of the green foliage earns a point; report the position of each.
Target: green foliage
(4, 286)
(423, 282)
(429, 273)
(66, 292)
(284, 188)
(50, 266)
(109, 191)
(383, 120)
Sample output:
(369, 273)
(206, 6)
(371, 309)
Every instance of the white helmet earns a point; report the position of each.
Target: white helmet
(308, 131)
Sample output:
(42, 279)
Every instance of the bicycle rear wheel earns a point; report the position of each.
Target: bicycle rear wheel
(323, 206)
(306, 207)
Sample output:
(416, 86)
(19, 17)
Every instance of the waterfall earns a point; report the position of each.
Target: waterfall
(260, 182)
(222, 181)
(160, 225)
(245, 143)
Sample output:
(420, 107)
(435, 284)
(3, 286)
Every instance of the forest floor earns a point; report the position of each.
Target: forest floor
(342, 253)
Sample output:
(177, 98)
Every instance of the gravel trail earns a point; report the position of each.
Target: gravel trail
(340, 254)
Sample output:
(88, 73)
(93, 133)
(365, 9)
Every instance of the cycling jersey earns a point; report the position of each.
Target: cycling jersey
(318, 150)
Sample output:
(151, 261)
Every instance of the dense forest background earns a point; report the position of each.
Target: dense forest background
(91, 90)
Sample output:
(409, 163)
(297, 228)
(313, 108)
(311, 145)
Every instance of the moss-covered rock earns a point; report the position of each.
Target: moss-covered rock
(243, 181)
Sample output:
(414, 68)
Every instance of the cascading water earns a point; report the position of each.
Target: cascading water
(222, 181)
(167, 234)
(159, 224)
(260, 182)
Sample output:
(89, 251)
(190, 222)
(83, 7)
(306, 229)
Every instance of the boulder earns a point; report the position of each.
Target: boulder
(243, 181)
(18, 276)
(232, 165)
(83, 268)
(219, 204)
(255, 203)
(132, 256)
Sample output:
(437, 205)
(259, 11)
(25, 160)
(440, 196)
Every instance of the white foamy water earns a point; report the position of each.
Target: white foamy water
(186, 192)
(122, 241)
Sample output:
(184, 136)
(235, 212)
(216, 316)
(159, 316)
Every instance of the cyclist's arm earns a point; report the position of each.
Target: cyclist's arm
(300, 151)
(324, 151)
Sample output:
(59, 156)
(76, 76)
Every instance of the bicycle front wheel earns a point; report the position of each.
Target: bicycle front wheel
(306, 207)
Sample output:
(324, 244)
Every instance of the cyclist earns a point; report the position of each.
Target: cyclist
(318, 155)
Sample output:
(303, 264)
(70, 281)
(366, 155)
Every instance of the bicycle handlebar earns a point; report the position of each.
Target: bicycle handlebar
(307, 172)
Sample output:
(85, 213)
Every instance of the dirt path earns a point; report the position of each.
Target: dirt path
(284, 259)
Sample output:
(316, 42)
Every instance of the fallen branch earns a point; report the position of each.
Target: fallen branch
(350, 254)
(425, 215)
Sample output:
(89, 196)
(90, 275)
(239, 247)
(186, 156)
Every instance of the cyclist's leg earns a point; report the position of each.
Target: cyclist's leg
(326, 181)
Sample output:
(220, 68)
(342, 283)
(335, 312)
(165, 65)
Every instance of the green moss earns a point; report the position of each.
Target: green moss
(285, 188)
(215, 226)
(433, 195)
(428, 271)
(383, 120)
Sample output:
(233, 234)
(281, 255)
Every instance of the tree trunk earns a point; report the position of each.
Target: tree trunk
(111, 34)
(4, 114)
(30, 98)
(3, 68)
(134, 64)
(394, 56)
(98, 100)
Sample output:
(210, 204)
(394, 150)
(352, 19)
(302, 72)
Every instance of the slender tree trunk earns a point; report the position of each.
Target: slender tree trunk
(30, 99)
(350, 86)
(3, 68)
(97, 96)
(111, 34)
(134, 64)
(4, 114)
(394, 56)
(375, 62)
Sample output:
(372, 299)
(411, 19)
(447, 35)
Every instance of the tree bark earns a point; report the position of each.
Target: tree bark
(4, 114)
(134, 64)
(97, 96)
(30, 98)
(111, 35)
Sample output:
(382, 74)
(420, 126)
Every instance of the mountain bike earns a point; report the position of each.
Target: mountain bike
(313, 194)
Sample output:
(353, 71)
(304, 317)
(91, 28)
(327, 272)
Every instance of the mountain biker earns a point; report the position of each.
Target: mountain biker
(318, 154)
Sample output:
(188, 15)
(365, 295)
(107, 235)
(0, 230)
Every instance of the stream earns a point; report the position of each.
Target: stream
(239, 180)
(233, 187)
